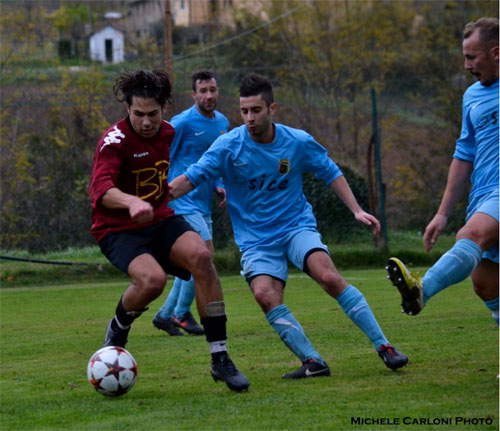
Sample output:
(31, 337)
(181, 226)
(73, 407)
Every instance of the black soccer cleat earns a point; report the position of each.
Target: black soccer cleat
(166, 324)
(309, 368)
(223, 368)
(408, 285)
(115, 336)
(188, 323)
(392, 358)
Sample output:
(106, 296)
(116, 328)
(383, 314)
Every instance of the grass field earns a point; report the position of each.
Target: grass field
(48, 334)
(87, 264)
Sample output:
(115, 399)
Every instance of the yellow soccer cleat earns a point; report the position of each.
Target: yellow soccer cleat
(409, 286)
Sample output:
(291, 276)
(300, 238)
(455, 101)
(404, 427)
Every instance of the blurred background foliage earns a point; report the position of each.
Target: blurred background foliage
(323, 57)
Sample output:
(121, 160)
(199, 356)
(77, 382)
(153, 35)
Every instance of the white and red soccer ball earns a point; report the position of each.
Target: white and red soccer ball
(112, 371)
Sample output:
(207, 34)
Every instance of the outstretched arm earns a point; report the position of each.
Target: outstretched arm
(179, 186)
(456, 185)
(341, 188)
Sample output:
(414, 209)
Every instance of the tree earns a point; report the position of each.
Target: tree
(71, 20)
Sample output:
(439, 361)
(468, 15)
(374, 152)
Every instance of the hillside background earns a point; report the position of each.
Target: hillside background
(325, 59)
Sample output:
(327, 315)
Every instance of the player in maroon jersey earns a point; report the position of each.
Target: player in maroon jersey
(136, 230)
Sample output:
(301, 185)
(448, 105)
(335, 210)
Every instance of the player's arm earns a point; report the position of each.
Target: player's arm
(179, 186)
(456, 185)
(140, 211)
(341, 188)
(220, 192)
(221, 196)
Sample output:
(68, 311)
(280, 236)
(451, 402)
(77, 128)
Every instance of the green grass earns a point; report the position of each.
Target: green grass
(48, 333)
(358, 252)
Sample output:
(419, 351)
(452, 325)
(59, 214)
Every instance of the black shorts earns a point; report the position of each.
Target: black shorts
(121, 248)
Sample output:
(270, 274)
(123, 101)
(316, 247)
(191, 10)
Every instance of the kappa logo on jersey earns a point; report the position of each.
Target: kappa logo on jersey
(284, 166)
(115, 136)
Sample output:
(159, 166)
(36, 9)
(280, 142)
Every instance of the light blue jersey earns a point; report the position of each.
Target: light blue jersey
(264, 181)
(194, 133)
(478, 142)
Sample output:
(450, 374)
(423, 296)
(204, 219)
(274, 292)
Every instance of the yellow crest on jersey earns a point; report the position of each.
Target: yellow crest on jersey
(284, 166)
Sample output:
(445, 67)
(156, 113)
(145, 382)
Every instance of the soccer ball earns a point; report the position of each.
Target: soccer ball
(112, 371)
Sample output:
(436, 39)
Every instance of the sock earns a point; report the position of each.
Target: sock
(215, 333)
(215, 328)
(186, 297)
(168, 306)
(452, 267)
(492, 304)
(354, 304)
(124, 318)
(217, 347)
(292, 334)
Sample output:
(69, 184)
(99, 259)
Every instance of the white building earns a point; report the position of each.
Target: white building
(107, 45)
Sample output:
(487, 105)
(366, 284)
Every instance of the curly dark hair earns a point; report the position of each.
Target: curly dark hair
(143, 83)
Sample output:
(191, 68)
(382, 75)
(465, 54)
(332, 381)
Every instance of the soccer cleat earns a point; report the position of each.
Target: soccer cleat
(166, 324)
(115, 336)
(309, 368)
(409, 286)
(393, 358)
(187, 322)
(223, 368)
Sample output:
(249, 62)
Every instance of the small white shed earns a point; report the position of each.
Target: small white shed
(107, 45)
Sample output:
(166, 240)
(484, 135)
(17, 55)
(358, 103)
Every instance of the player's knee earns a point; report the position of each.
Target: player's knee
(152, 284)
(202, 259)
(264, 298)
(485, 289)
(477, 235)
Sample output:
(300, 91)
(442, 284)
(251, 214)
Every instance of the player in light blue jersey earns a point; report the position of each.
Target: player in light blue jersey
(196, 129)
(262, 164)
(476, 159)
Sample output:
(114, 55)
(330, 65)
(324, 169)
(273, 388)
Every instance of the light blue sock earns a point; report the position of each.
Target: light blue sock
(452, 267)
(354, 304)
(167, 308)
(492, 304)
(186, 297)
(292, 334)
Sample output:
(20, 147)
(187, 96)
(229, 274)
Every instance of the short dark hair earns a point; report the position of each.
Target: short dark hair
(488, 31)
(253, 85)
(143, 83)
(201, 75)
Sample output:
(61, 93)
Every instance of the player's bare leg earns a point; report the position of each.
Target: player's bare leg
(485, 281)
(191, 253)
(480, 233)
(148, 281)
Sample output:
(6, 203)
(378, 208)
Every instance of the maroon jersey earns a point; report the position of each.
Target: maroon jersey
(134, 165)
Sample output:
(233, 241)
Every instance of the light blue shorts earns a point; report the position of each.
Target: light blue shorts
(272, 258)
(201, 223)
(487, 204)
